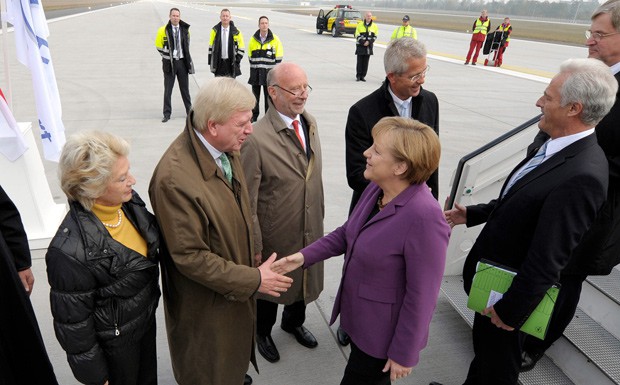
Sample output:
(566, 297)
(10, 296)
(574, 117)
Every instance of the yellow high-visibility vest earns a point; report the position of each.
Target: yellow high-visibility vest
(482, 27)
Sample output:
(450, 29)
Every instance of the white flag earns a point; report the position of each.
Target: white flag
(12, 143)
(31, 32)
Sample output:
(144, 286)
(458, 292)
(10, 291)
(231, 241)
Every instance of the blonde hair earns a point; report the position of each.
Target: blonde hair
(218, 100)
(86, 165)
(412, 142)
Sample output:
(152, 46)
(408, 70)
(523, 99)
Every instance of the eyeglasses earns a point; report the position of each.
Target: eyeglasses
(420, 75)
(298, 92)
(597, 36)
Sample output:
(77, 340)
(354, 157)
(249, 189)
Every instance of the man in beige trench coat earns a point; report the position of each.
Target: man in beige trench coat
(209, 280)
(282, 163)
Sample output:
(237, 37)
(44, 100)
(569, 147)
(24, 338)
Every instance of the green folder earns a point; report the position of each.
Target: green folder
(491, 281)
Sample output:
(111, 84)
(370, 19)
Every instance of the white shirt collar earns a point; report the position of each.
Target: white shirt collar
(558, 144)
(398, 101)
(215, 153)
(615, 68)
(288, 121)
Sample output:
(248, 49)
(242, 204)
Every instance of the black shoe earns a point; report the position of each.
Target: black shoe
(343, 337)
(267, 348)
(473, 64)
(362, 79)
(357, 79)
(165, 119)
(247, 380)
(437, 383)
(302, 335)
(529, 360)
(466, 63)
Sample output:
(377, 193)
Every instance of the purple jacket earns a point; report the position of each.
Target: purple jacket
(392, 272)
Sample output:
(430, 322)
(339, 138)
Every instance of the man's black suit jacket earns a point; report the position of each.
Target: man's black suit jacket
(363, 116)
(23, 359)
(599, 250)
(535, 227)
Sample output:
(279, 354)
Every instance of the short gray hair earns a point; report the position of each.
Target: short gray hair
(218, 100)
(590, 83)
(612, 8)
(398, 53)
(86, 164)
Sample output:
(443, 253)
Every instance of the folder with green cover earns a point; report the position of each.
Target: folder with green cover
(490, 283)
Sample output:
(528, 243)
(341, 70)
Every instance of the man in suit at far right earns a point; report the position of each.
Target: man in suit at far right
(599, 250)
(545, 206)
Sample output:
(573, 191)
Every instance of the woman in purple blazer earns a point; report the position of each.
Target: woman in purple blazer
(394, 243)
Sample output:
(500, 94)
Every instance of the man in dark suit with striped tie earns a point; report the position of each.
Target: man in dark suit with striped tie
(599, 249)
(540, 215)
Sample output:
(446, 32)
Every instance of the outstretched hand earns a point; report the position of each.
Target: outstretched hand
(396, 370)
(287, 264)
(457, 215)
(271, 282)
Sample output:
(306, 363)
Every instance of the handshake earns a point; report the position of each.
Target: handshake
(272, 278)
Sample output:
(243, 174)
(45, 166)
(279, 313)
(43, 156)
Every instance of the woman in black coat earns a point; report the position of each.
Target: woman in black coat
(102, 266)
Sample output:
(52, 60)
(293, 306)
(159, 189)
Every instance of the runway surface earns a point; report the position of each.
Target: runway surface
(109, 77)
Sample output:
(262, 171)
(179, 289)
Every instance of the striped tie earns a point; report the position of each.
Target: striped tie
(532, 164)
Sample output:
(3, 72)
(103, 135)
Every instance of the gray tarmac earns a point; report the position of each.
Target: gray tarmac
(109, 76)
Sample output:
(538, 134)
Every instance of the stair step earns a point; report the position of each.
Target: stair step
(600, 346)
(545, 372)
(608, 284)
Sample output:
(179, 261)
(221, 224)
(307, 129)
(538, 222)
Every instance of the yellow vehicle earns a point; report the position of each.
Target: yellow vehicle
(341, 19)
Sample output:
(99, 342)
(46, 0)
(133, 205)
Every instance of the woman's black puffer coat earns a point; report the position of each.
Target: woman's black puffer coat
(103, 294)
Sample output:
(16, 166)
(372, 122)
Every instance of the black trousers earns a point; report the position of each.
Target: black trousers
(179, 71)
(363, 369)
(293, 315)
(134, 364)
(362, 66)
(256, 92)
(224, 68)
(497, 352)
(563, 312)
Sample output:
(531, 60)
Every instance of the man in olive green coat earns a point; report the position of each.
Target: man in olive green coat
(209, 280)
(282, 163)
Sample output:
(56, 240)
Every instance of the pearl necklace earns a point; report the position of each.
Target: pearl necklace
(120, 220)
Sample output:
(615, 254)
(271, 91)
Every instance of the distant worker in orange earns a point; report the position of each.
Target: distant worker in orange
(481, 27)
(506, 28)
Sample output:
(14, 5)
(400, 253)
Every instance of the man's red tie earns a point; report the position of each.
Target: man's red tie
(296, 127)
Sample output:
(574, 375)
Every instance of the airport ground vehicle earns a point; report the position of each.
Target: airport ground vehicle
(341, 19)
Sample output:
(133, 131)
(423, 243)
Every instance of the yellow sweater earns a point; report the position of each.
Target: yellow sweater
(125, 233)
